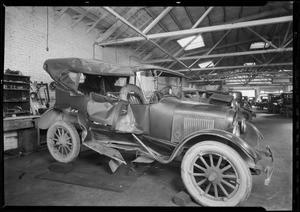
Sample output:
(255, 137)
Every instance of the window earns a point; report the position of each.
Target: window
(206, 64)
(196, 43)
(249, 64)
(259, 45)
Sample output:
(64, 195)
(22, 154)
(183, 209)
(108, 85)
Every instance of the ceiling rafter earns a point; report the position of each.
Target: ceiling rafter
(193, 27)
(175, 20)
(141, 33)
(258, 35)
(221, 27)
(115, 26)
(233, 54)
(186, 9)
(236, 67)
(80, 17)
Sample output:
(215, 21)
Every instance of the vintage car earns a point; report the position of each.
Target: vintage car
(286, 104)
(97, 106)
(263, 103)
(273, 103)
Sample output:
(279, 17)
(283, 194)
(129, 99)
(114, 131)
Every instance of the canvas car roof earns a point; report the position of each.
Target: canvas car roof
(169, 72)
(87, 66)
(55, 67)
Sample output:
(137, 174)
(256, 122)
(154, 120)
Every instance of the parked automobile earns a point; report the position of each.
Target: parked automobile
(286, 104)
(273, 103)
(96, 106)
(263, 103)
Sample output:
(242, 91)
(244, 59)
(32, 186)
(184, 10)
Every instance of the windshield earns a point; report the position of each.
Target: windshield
(153, 80)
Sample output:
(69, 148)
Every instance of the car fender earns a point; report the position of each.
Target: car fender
(221, 136)
(52, 115)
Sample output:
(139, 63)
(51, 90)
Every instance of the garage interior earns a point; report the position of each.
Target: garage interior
(217, 48)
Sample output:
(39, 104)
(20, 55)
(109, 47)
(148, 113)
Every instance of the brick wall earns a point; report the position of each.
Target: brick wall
(26, 36)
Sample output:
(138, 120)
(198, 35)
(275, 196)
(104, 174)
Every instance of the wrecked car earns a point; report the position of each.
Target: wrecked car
(98, 105)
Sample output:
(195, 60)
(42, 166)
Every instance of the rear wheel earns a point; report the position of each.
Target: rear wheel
(215, 175)
(63, 142)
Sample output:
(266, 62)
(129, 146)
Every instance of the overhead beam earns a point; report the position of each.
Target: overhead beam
(136, 21)
(157, 19)
(175, 20)
(117, 24)
(153, 17)
(237, 67)
(189, 15)
(61, 12)
(202, 17)
(233, 54)
(207, 53)
(193, 27)
(140, 32)
(80, 17)
(261, 37)
(208, 76)
(102, 17)
(202, 30)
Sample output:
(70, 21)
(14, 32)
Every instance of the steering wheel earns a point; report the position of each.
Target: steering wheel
(111, 95)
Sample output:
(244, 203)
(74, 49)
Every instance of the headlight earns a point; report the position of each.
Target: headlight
(243, 125)
(170, 91)
(236, 130)
(275, 103)
(233, 103)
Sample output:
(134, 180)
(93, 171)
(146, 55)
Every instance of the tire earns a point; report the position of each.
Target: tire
(63, 142)
(274, 110)
(209, 177)
(133, 94)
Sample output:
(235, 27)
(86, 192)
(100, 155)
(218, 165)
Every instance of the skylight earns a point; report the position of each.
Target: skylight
(259, 45)
(249, 64)
(196, 43)
(206, 64)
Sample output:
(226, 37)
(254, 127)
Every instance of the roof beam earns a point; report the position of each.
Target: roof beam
(202, 17)
(193, 27)
(80, 17)
(207, 53)
(175, 20)
(233, 54)
(237, 74)
(265, 40)
(203, 30)
(136, 22)
(141, 33)
(237, 67)
(153, 17)
(102, 17)
(61, 12)
(117, 24)
(157, 19)
(189, 15)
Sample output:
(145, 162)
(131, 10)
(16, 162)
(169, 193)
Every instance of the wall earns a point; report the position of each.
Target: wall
(26, 41)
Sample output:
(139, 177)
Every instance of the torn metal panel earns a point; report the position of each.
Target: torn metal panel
(104, 150)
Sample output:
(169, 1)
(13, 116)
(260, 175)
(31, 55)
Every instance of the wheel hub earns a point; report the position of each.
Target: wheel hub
(213, 175)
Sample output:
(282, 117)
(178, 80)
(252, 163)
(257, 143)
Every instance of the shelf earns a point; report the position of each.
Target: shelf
(16, 82)
(16, 75)
(15, 100)
(15, 89)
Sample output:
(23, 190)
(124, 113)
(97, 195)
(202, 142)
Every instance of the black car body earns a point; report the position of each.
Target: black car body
(219, 152)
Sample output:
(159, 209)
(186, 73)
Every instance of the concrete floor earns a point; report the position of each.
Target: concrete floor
(156, 187)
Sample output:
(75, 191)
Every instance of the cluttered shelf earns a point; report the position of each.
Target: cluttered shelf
(16, 82)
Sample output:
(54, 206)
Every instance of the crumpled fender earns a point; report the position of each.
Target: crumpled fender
(52, 115)
(243, 146)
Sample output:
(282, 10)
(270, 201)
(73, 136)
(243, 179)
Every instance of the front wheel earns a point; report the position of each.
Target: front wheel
(63, 142)
(214, 174)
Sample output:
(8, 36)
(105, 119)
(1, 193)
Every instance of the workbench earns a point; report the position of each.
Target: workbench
(21, 132)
